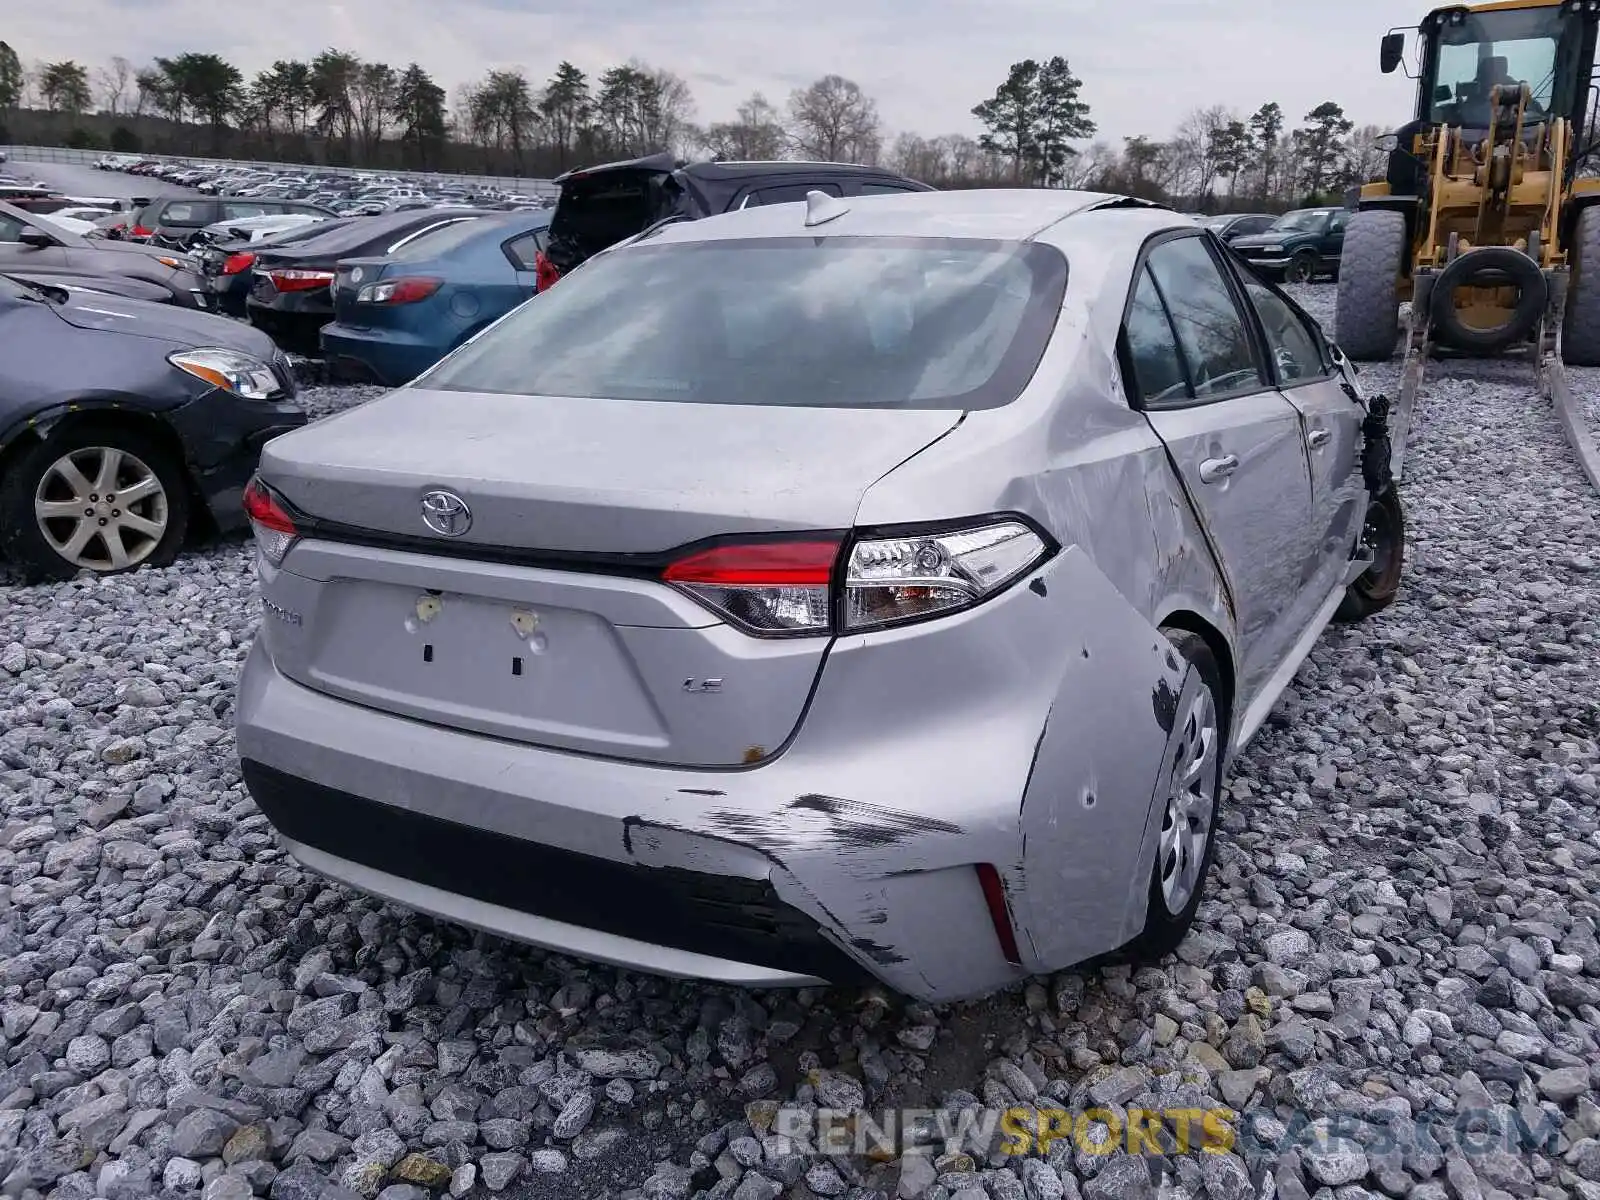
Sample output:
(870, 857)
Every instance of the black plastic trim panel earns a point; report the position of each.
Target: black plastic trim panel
(738, 919)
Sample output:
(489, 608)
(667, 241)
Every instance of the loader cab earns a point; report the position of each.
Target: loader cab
(1466, 52)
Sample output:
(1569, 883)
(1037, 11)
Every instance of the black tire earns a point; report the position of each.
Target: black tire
(1580, 332)
(1163, 928)
(1302, 268)
(1503, 266)
(21, 538)
(1385, 528)
(1367, 318)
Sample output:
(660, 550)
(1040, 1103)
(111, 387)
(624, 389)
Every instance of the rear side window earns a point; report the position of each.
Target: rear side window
(1152, 346)
(238, 210)
(853, 322)
(868, 188)
(1211, 330)
(524, 251)
(182, 212)
(1296, 350)
(787, 193)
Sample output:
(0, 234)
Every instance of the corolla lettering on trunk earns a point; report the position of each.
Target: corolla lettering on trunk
(446, 513)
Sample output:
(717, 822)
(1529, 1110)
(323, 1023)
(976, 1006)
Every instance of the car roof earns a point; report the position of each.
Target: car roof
(1003, 214)
(744, 169)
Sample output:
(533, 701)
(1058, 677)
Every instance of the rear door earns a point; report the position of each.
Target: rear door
(1233, 439)
(1331, 422)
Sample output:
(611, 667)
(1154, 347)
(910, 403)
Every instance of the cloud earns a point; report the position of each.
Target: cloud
(1144, 65)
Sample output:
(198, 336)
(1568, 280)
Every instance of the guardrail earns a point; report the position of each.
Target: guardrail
(62, 154)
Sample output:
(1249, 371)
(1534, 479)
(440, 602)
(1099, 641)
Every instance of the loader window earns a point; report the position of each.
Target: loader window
(1536, 46)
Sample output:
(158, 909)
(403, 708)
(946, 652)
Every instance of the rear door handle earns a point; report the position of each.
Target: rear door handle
(1213, 470)
(1318, 437)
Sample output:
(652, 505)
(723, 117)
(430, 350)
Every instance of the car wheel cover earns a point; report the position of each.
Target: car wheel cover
(1300, 271)
(101, 508)
(1186, 822)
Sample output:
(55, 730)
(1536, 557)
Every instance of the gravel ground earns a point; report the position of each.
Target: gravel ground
(1400, 930)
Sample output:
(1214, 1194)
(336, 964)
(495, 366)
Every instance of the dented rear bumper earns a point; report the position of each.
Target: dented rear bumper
(1025, 734)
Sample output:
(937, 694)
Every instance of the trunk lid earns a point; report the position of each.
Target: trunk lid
(543, 621)
(352, 275)
(600, 207)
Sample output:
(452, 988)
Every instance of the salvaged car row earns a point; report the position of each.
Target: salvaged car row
(620, 586)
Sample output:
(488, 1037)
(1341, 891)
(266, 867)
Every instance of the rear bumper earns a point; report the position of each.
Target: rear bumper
(387, 356)
(851, 853)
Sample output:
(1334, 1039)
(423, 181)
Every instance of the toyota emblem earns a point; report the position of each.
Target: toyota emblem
(446, 513)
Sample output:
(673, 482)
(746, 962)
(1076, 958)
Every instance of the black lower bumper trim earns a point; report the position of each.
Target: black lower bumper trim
(737, 919)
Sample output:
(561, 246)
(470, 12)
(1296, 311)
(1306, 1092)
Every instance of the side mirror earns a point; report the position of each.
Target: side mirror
(37, 238)
(1391, 52)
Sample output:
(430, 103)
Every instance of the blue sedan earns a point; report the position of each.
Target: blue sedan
(394, 317)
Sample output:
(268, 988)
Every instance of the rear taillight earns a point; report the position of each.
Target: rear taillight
(300, 281)
(399, 291)
(807, 586)
(907, 578)
(236, 264)
(139, 231)
(772, 589)
(545, 273)
(269, 521)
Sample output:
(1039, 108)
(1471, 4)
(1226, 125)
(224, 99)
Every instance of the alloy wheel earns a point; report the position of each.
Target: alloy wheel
(101, 508)
(1186, 822)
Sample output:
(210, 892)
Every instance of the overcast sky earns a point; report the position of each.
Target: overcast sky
(1144, 63)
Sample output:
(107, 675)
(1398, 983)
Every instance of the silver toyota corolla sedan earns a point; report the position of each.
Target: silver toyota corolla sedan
(835, 590)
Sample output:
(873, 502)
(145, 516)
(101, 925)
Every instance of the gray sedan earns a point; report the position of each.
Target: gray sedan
(837, 590)
(35, 245)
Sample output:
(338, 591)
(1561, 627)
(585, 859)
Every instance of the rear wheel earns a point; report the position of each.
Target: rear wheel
(99, 498)
(1186, 840)
(1384, 533)
(1580, 334)
(1367, 319)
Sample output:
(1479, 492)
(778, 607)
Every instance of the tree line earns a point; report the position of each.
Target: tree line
(340, 109)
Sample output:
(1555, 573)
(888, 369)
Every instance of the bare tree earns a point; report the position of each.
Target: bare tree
(1192, 152)
(114, 81)
(754, 135)
(833, 120)
(1367, 161)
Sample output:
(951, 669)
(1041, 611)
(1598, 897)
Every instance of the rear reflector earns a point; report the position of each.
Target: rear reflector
(994, 895)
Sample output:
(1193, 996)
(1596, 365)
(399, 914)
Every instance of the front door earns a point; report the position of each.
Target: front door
(1234, 440)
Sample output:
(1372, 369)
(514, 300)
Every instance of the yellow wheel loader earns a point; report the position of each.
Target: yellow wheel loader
(1483, 221)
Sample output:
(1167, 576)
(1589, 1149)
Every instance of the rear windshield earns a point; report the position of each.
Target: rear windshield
(828, 322)
(437, 242)
(599, 211)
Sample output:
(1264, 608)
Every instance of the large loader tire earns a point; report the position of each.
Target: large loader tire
(1580, 332)
(1367, 320)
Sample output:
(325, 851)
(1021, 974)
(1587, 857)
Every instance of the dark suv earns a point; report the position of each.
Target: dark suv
(600, 206)
(173, 221)
(1299, 246)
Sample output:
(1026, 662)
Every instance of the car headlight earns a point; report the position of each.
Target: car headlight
(231, 370)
